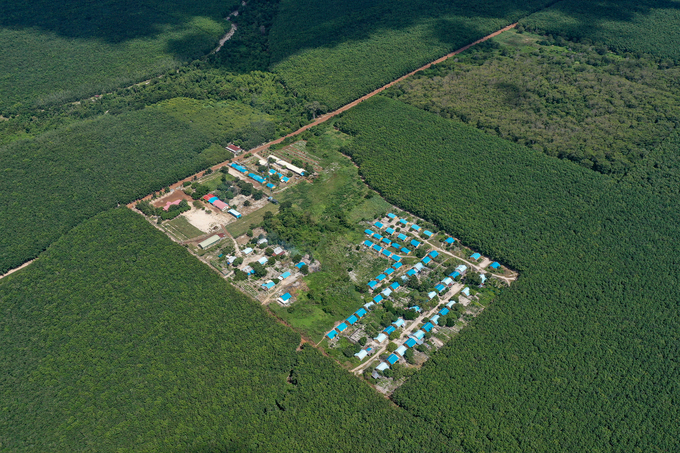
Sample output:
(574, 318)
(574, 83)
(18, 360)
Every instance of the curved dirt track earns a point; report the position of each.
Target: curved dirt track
(344, 108)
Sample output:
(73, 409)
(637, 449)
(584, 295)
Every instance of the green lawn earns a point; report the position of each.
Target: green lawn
(181, 227)
(241, 226)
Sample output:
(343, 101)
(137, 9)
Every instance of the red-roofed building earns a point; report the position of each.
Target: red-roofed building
(234, 149)
(208, 197)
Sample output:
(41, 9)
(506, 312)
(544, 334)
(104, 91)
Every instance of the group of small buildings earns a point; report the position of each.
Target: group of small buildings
(219, 204)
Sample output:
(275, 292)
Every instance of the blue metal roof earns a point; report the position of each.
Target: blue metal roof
(415, 227)
(495, 265)
(387, 253)
(396, 246)
(391, 216)
(256, 177)
(378, 224)
(372, 284)
(381, 277)
(368, 232)
(368, 243)
(284, 275)
(403, 222)
(270, 185)
(415, 243)
(342, 327)
(416, 308)
(411, 272)
(361, 312)
(389, 231)
(377, 299)
(286, 296)
(399, 322)
(439, 287)
(386, 241)
(376, 247)
(419, 335)
(427, 233)
(394, 285)
(427, 260)
(397, 266)
(388, 271)
(427, 327)
(213, 199)
(450, 241)
(331, 334)
(435, 319)
(410, 343)
(392, 359)
(352, 319)
(402, 237)
(389, 329)
(396, 258)
(475, 256)
(377, 237)
(434, 254)
(240, 168)
(405, 251)
(444, 311)
(300, 264)
(454, 274)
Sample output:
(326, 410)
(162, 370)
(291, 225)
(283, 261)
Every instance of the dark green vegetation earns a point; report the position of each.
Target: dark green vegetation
(336, 54)
(118, 340)
(580, 353)
(54, 52)
(118, 157)
(636, 26)
(573, 101)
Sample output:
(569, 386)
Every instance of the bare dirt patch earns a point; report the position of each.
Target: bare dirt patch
(203, 221)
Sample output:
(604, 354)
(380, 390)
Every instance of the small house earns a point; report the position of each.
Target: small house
(392, 359)
(361, 355)
(285, 298)
(427, 233)
(401, 350)
(377, 299)
(378, 224)
(410, 343)
(342, 327)
(394, 286)
(352, 320)
(268, 285)
(236, 150)
(402, 237)
(382, 367)
(386, 292)
(332, 334)
(431, 295)
(475, 256)
(419, 335)
(372, 284)
(396, 266)
(381, 337)
(434, 254)
(415, 227)
(450, 241)
(435, 319)
(444, 311)
(391, 216)
(389, 231)
(235, 213)
(208, 242)
(247, 251)
(466, 291)
(427, 260)
(427, 326)
(495, 265)
(419, 267)
(284, 276)
(278, 251)
(415, 243)
(360, 313)
(389, 329)
(399, 322)
(439, 288)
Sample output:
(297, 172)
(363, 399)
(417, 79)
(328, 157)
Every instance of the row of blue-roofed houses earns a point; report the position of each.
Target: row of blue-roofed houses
(256, 177)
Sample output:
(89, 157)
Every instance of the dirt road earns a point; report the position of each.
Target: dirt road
(344, 108)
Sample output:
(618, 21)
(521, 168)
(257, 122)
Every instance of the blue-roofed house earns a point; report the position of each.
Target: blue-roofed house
(450, 303)
(402, 237)
(461, 268)
(272, 172)
(405, 251)
(389, 231)
(416, 308)
(368, 232)
(388, 271)
(427, 327)
(268, 285)
(394, 286)
(448, 281)
(284, 276)
(466, 291)
(342, 327)
(263, 260)
(377, 248)
(419, 267)
(431, 295)
(415, 243)
(331, 334)
(360, 313)
(240, 168)
(212, 200)
(495, 265)
(386, 241)
(361, 355)
(403, 221)
(434, 254)
(475, 256)
(450, 241)
(428, 233)
(382, 367)
(389, 329)
(256, 177)
(411, 272)
(391, 216)
(270, 186)
(397, 266)
(372, 284)
(399, 322)
(377, 237)
(396, 246)
(377, 299)
(285, 179)
(352, 320)
(411, 342)
(454, 275)
(378, 224)
(427, 260)
(368, 243)
(415, 227)
(387, 253)
(386, 292)
(392, 359)
(439, 287)
(381, 277)
(444, 311)
(381, 337)
(419, 335)
(435, 319)
(396, 258)
(401, 350)
(285, 298)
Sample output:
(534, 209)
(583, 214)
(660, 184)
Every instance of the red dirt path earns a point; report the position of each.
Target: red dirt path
(344, 108)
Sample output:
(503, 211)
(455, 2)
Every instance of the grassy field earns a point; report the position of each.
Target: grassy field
(117, 339)
(181, 228)
(54, 53)
(241, 226)
(647, 26)
(336, 54)
(582, 339)
(96, 164)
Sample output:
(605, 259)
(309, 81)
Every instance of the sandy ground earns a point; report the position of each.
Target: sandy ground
(204, 221)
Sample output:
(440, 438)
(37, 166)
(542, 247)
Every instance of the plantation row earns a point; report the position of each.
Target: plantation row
(584, 339)
(635, 26)
(601, 111)
(118, 340)
(338, 52)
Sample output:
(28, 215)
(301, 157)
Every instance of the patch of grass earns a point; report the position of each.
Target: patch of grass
(181, 226)
(241, 226)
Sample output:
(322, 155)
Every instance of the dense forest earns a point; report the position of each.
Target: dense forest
(59, 52)
(117, 340)
(635, 26)
(579, 354)
(569, 100)
(335, 54)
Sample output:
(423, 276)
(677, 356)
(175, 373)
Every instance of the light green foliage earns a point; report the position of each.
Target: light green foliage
(118, 340)
(583, 339)
(337, 52)
(601, 111)
(637, 26)
(60, 52)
